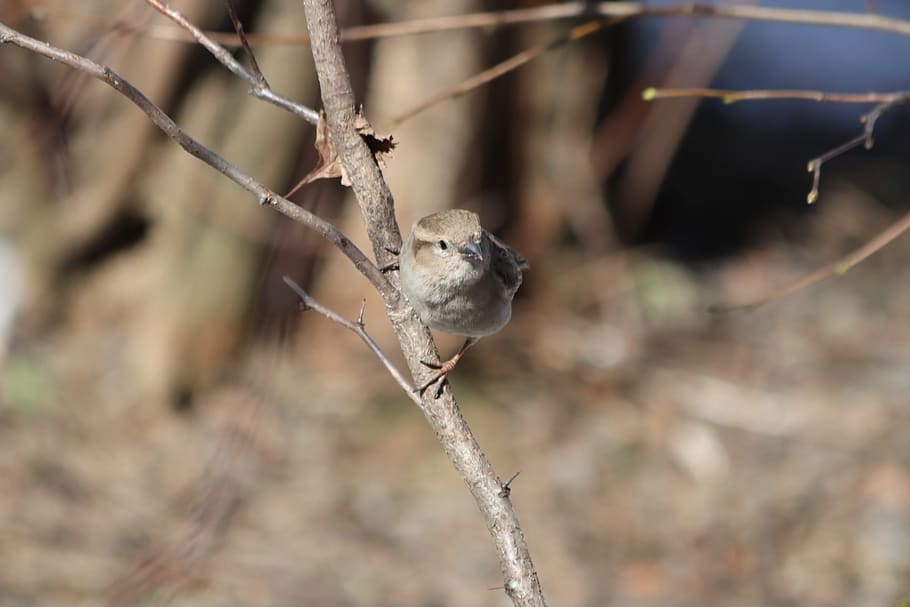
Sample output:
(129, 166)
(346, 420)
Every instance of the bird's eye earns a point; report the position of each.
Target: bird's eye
(442, 245)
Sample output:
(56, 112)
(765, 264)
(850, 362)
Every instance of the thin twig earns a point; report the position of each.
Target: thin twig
(884, 101)
(500, 69)
(869, 120)
(628, 10)
(870, 20)
(258, 87)
(264, 195)
(238, 27)
(359, 328)
(837, 268)
(730, 96)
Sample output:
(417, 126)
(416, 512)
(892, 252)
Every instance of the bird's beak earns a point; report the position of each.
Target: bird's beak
(472, 250)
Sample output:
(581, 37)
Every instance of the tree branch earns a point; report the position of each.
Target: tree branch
(500, 69)
(835, 268)
(883, 101)
(259, 88)
(377, 206)
(731, 96)
(357, 327)
(372, 193)
(554, 12)
(264, 195)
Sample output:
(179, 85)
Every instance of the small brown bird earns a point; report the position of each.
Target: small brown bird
(459, 278)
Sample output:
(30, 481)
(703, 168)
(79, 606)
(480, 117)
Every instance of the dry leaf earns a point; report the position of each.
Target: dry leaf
(329, 165)
(380, 145)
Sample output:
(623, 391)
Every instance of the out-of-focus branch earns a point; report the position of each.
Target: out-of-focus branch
(884, 101)
(245, 43)
(869, 120)
(730, 96)
(259, 88)
(870, 20)
(500, 69)
(442, 413)
(837, 268)
(264, 195)
(630, 10)
(357, 327)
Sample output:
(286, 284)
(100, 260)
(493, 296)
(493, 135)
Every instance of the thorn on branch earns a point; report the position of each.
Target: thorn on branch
(505, 489)
(363, 306)
(308, 303)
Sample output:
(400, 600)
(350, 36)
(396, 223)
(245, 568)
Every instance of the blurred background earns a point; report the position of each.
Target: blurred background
(175, 432)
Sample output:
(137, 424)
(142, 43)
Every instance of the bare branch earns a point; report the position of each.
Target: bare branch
(629, 10)
(837, 268)
(443, 414)
(259, 88)
(238, 27)
(869, 120)
(501, 69)
(552, 12)
(885, 102)
(359, 328)
(370, 189)
(729, 96)
(264, 195)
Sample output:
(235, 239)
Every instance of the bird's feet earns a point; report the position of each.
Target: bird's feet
(444, 369)
(441, 371)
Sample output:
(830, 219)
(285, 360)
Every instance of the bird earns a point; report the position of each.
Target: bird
(459, 278)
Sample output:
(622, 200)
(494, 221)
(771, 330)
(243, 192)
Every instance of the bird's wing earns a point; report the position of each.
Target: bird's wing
(507, 264)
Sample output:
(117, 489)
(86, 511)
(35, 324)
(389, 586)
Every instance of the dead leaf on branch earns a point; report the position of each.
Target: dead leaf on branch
(380, 145)
(329, 165)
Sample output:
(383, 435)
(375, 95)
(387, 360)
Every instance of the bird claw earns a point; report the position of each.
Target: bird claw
(442, 370)
(436, 378)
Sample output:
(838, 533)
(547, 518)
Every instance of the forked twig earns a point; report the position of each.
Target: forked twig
(238, 27)
(357, 327)
(259, 88)
(884, 101)
(869, 119)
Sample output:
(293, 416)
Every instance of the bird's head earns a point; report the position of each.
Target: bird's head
(452, 242)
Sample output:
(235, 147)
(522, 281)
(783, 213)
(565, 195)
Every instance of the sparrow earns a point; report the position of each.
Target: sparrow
(459, 278)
